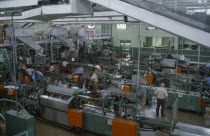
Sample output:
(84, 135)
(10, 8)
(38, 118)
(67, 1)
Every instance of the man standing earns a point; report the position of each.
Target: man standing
(64, 65)
(52, 68)
(162, 96)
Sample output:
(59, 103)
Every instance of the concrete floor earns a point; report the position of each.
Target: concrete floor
(47, 129)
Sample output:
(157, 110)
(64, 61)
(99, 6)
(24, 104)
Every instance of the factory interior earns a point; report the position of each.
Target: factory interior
(104, 68)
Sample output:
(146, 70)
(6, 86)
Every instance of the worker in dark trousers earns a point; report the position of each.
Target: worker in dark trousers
(162, 96)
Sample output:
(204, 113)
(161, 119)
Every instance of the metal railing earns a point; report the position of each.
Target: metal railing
(194, 55)
(194, 21)
(2, 117)
(96, 34)
(3, 106)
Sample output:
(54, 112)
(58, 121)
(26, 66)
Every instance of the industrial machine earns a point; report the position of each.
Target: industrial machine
(18, 122)
(181, 80)
(5, 66)
(111, 111)
(55, 102)
(40, 60)
(29, 96)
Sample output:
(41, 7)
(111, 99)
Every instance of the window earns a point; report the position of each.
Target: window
(159, 42)
(121, 26)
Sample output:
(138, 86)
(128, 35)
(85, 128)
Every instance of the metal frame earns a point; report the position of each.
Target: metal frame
(182, 30)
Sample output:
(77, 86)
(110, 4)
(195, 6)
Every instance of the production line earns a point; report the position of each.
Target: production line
(104, 67)
(117, 102)
(107, 114)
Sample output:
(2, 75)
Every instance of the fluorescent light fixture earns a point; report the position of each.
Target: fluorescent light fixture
(121, 26)
(208, 12)
(151, 28)
(91, 26)
(199, 1)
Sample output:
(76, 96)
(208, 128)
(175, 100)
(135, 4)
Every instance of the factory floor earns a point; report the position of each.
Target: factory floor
(47, 129)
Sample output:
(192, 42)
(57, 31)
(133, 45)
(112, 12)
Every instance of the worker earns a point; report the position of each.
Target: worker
(64, 65)
(98, 67)
(79, 70)
(69, 85)
(58, 83)
(208, 80)
(52, 68)
(162, 96)
(22, 66)
(29, 71)
(37, 76)
(94, 78)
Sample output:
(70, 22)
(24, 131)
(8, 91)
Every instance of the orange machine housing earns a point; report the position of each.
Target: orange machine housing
(11, 92)
(124, 127)
(75, 118)
(199, 101)
(150, 78)
(178, 70)
(76, 79)
(1, 87)
(124, 54)
(126, 88)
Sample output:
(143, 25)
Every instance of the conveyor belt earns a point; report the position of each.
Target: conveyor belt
(30, 42)
(190, 130)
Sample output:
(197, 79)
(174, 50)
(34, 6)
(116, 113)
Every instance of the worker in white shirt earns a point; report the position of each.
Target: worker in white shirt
(29, 71)
(94, 77)
(162, 96)
(64, 65)
(52, 68)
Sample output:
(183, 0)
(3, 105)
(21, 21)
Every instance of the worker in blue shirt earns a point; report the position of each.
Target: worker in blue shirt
(58, 83)
(79, 70)
(208, 80)
(37, 76)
